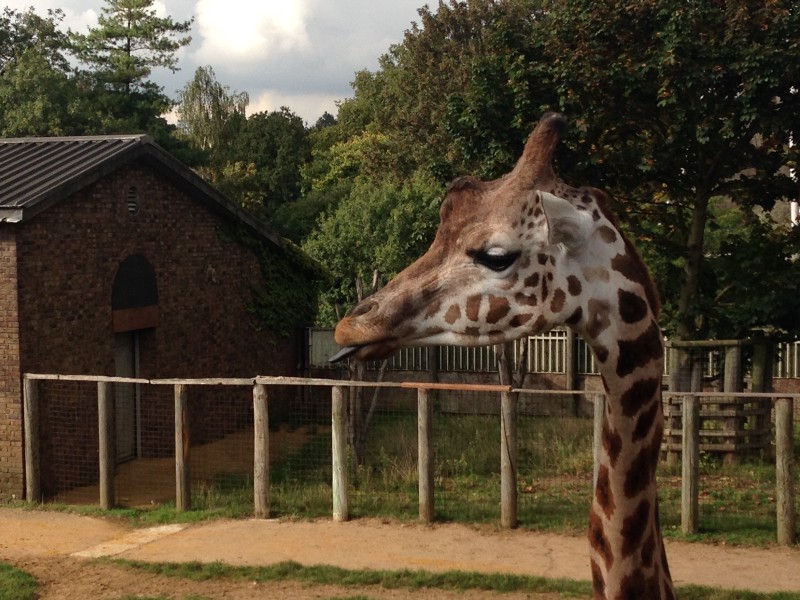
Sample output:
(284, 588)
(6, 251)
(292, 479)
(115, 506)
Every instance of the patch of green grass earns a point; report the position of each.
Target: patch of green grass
(16, 584)
(418, 580)
(403, 579)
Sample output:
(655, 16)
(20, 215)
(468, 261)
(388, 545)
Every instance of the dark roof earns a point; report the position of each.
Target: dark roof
(36, 173)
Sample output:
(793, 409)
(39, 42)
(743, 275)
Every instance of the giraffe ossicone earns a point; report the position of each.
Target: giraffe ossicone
(519, 255)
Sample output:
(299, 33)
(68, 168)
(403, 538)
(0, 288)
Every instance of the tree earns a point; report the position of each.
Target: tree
(209, 114)
(457, 96)
(37, 95)
(22, 31)
(276, 144)
(376, 228)
(129, 42)
(675, 103)
(37, 98)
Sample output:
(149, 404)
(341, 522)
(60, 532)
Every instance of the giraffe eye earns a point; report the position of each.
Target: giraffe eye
(495, 259)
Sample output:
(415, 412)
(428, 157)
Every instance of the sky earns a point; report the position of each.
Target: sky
(297, 53)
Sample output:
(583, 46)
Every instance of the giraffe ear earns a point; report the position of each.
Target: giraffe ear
(566, 224)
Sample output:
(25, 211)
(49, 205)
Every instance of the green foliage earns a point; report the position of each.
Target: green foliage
(288, 299)
(752, 275)
(381, 226)
(22, 31)
(671, 104)
(16, 584)
(35, 98)
(674, 103)
(129, 41)
(209, 114)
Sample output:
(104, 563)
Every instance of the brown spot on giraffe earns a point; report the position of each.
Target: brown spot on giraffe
(608, 235)
(453, 314)
(532, 280)
(520, 320)
(574, 286)
(612, 443)
(641, 351)
(645, 421)
(642, 469)
(575, 317)
(603, 492)
(558, 300)
(498, 308)
(473, 307)
(632, 307)
(631, 267)
(598, 583)
(639, 394)
(598, 539)
(634, 527)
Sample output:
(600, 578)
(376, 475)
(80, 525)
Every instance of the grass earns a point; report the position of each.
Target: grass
(16, 584)
(458, 581)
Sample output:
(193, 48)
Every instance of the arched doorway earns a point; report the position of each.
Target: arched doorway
(134, 305)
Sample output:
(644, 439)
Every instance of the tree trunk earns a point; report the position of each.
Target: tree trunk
(687, 303)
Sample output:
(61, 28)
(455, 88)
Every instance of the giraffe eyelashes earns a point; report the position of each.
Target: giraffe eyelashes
(495, 259)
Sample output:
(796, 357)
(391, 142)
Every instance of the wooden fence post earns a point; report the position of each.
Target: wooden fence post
(30, 409)
(339, 455)
(425, 454)
(106, 443)
(690, 460)
(732, 382)
(784, 463)
(260, 452)
(597, 434)
(183, 497)
(508, 459)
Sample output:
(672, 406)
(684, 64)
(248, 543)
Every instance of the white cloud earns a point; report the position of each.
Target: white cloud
(247, 30)
(309, 107)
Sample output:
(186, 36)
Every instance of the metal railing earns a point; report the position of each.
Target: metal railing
(547, 353)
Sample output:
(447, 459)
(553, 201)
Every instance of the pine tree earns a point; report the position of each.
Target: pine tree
(129, 42)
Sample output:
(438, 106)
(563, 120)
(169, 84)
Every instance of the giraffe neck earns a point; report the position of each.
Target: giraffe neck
(627, 550)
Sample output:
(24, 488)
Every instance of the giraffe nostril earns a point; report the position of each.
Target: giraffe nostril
(363, 308)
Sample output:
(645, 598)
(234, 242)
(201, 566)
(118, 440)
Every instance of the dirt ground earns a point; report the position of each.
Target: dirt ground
(59, 550)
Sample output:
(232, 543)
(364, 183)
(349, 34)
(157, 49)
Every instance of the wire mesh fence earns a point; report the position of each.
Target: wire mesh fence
(554, 468)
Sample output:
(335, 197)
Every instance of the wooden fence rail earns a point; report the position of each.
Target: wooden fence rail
(784, 447)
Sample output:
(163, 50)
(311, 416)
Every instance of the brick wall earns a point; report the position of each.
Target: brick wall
(11, 471)
(68, 257)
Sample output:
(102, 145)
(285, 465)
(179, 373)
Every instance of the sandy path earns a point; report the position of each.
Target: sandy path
(50, 545)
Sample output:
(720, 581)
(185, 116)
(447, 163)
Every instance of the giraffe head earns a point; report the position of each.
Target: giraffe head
(511, 257)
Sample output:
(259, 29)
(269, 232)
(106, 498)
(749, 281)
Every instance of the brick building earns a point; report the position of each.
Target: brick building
(116, 259)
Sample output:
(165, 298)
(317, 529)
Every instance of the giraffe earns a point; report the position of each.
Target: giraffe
(516, 256)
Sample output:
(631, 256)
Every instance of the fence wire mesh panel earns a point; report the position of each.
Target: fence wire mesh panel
(145, 477)
(68, 452)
